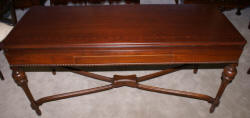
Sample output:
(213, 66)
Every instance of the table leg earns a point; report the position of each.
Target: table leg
(176, 1)
(54, 71)
(1, 76)
(13, 13)
(195, 69)
(227, 76)
(249, 25)
(238, 12)
(22, 81)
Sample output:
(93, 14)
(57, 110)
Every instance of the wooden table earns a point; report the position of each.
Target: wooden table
(139, 35)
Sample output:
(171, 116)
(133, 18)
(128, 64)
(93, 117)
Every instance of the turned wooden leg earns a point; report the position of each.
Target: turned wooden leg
(227, 76)
(1, 76)
(53, 71)
(21, 80)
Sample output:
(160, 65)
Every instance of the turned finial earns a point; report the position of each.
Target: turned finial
(229, 72)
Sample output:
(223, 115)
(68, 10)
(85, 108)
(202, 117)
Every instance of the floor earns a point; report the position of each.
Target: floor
(128, 102)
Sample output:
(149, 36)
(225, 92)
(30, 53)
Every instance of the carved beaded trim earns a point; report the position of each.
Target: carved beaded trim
(124, 64)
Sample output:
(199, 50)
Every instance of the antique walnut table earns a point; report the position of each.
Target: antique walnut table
(139, 35)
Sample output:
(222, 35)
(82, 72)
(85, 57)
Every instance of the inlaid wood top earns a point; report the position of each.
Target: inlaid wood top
(123, 26)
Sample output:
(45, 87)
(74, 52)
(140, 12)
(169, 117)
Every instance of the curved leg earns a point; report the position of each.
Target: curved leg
(227, 76)
(21, 80)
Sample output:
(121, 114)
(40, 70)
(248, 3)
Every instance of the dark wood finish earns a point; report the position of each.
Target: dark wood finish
(65, 2)
(177, 92)
(22, 81)
(249, 25)
(195, 69)
(142, 35)
(73, 94)
(13, 14)
(91, 75)
(176, 1)
(53, 71)
(248, 72)
(7, 6)
(139, 41)
(227, 76)
(1, 75)
(222, 4)
(120, 81)
(157, 74)
(22, 4)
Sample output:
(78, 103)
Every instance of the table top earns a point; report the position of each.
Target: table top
(123, 26)
(123, 35)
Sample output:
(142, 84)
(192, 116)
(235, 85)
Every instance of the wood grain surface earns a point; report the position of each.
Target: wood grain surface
(129, 34)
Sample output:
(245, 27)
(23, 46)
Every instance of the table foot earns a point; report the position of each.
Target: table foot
(249, 25)
(1, 76)
(36, 108)
(238, 12)
(21, 79)
(54, 71)
(195, 69)
(176, 1)
(227, 76)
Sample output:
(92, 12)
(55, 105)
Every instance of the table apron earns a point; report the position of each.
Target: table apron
(122, 56)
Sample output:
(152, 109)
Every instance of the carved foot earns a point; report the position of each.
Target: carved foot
(22, 81)
(227, 76)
